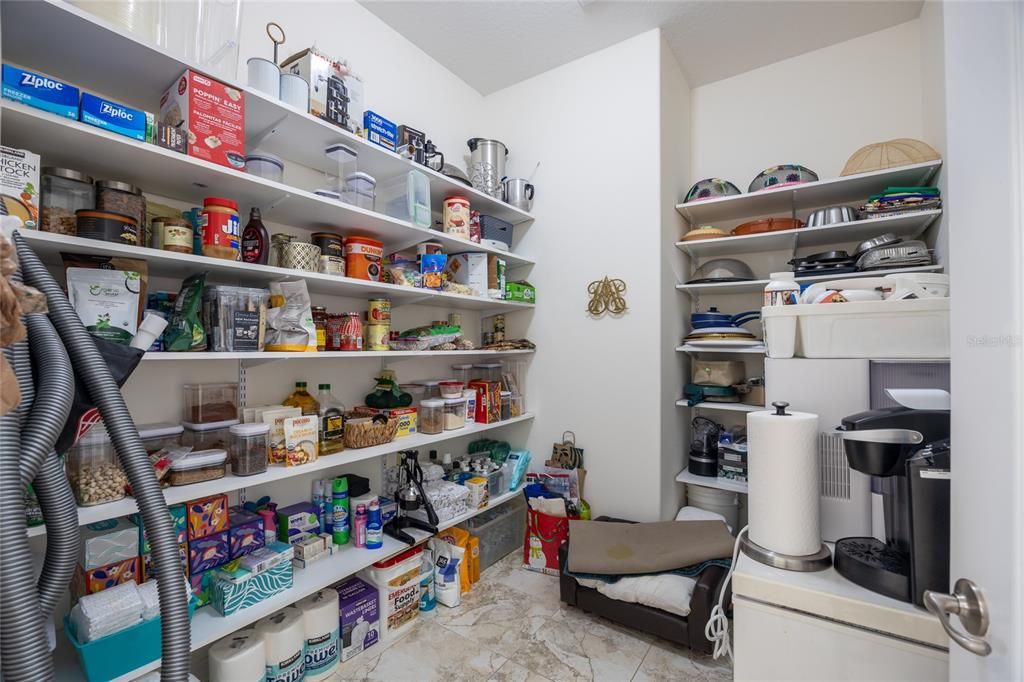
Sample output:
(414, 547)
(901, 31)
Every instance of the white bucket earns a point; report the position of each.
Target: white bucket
(398, 590)
(719, 501)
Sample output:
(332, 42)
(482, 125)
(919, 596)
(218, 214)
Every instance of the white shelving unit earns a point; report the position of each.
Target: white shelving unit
(685, 476)
(721, 407)
(757, 285)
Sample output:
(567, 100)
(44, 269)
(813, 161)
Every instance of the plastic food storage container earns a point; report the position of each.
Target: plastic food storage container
(231, 314)
(342, 161)
(360, 199)
(158, 436)
(518, 406)
(462, 372)
(500, 530)
(431, 416)
(93, 469)
(451, 389)
(417, 391)
(490, 371)
(506, 405)
(264, 165)
(198, 466)
(454, 414)
(407, 197)
(208, 403)
(431, 389)
(250, 448)
(213, 435)
(125, 199)
(64, 191)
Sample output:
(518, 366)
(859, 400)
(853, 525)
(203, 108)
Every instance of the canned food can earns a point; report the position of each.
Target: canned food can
(379, 311)
(455, 319)
(377, 336)
(499, 323)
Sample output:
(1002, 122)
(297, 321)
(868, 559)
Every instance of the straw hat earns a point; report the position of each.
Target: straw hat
(703, 232)
(903, 151)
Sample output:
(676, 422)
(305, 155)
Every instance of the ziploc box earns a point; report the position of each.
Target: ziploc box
(208, 553)
(379, 130)
(229, 597)
(39, 91)
(212, 116)
(108, 542)
(117, 118)
(246, 532)
(359, 613)
(178, 518)
(297, 522)
(469, 269)
(207, 516)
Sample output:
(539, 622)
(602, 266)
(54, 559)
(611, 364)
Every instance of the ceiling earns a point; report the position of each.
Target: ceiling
(491, 44)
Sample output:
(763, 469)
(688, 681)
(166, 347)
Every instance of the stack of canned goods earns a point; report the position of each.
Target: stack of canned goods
(378, 324)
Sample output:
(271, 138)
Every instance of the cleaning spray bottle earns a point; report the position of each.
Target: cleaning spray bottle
(339, 494)
(374, 527)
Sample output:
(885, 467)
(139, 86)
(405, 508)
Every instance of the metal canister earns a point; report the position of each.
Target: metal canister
(487, 165)
(332, 252)
(379, 311)
(377, 337)
(455, 319)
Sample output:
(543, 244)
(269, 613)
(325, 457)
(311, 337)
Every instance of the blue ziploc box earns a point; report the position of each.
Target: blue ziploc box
(379, 130)
(117, 118)
(39, 91)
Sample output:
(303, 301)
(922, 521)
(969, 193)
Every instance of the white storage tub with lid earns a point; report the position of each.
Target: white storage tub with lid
(916, 328)
(198, 466)
(161, 435)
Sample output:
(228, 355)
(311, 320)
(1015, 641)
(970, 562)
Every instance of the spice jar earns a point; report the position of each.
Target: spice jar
(456, 216)
(64, 191)
(250, 448)
(454, 414)
(431, 416)
(175, 234)
(220, 228)
(198, 466)
(320, 322)
(120, 197)
(93, 469)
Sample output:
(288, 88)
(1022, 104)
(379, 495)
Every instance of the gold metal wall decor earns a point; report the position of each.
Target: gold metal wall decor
(606, 296)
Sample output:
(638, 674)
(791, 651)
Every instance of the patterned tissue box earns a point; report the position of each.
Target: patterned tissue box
(207, 516)
(246, 532)
(93, 580)
(179, 517)
(202, 584)
(208, 553)
(229, 597)
(149, 567)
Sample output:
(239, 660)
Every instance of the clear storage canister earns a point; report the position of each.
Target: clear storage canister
(207, 403)
(431, 416)
(214, 435)
(454, 414)
(93, 469)
(113, 196)
(64, 191)
(506, 405)
(198, 466)
(490, 371)
(250, 448)
(462, 372)
(156, 437)
(431, 389)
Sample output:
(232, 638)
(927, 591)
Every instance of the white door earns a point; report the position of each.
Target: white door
(984, 63)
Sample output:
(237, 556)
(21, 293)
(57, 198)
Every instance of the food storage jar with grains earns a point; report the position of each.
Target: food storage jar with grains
(518, 406)
(506, 405)
(431, 389)
(93, 469)
(64, 191)
(462, 372)
(206, 403)
(156, 437)
(454, 413)
(113, 196)
(490, 371)
(198, 466)
(431, 416)
(108, 227)
(216, 435)
(220, 228)
(250, 448)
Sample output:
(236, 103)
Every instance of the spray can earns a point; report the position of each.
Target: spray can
(374, 527)
(359, 525)
(320, 504)
(339, 495)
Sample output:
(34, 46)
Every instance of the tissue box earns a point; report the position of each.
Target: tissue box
(212, 116)
(380, 131)
(202, 587)
(231, 596)
(117, 118)
(488, 401)
(108, 542)
(297, 522)
(209, 552)
(178, 518)
(520, 291)
(469, 269)
(359, 614)
(92, 580)
(246, 532)
(149, 568)
(207, 516)
(39, 91)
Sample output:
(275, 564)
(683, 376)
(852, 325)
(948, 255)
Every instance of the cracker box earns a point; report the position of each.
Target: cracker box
(19, 185)
(469, 269)
(108, 542)
(208, 552)
(231, 596)
(40, 91)
(246, 532)
(115, 117)
(149, 567)
(276, 439)
(207, 516)
(93, 580)
(359, 612)
(212, 116)
(488, 401)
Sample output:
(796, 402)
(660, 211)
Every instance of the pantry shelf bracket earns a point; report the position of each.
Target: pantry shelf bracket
(262, 135)
(408, 243)
(250, 364)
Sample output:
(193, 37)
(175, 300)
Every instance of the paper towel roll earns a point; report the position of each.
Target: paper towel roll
(239, 657)
(322, 626)
(284, 640)
(782, 467)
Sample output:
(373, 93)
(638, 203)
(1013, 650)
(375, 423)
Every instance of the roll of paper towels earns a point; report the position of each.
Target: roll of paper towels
(284, 640)
(320, 618)
(782, 468)
(239, 657)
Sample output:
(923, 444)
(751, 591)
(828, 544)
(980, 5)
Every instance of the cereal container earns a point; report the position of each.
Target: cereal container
(456, 216)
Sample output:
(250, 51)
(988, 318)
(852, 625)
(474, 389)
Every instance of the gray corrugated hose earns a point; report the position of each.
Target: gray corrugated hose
(93, 371)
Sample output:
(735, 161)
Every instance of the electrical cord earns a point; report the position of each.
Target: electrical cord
(717, 628)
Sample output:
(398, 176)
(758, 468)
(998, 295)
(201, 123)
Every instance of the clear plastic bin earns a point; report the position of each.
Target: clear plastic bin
(454, 414)
(212, 436)
(199, 466)
(209, 403)
(462, 372)
(407, 197)
(93, 470)
(490, 371)
(501, 530)
(158, 436)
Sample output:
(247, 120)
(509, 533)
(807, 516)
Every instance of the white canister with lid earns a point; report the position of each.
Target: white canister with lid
(264, 75)
(782, 289)
(295, 91)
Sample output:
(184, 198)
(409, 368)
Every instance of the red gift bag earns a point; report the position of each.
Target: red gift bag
(544, 535)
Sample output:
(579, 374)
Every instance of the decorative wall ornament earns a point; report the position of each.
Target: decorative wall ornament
(606, 296)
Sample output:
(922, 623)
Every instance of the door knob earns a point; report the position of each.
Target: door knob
(968, 603)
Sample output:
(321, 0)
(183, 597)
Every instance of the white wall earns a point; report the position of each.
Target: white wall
(593, 124)
(815, 109)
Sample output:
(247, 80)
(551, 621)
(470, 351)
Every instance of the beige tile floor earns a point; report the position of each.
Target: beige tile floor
(513, 628)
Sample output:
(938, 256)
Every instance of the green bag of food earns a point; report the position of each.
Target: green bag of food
(185, 331)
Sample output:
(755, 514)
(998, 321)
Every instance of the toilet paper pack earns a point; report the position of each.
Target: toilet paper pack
(359, 616)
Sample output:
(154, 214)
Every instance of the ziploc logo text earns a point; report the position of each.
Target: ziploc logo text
(112, 116)
(39, 91)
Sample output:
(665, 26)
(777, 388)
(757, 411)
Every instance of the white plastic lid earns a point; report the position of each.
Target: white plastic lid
(506, 393)
(330, 194)
(489, 365)
(786, 276)
(159, 430)
(200, 458)
(454, 401)
(433, 402)
(431, 382)
(210, 426)
(340, 152)
(264, 156)
(465, 366)
(351, 177)
(250, 429)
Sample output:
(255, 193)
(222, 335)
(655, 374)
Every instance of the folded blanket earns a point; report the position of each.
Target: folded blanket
(606, 548)
(683, 572)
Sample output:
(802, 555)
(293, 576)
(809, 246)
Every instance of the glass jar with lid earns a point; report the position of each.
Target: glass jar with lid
(320, 322)
(64, 191)
(93, 469)
(113, 196)
(175, 234)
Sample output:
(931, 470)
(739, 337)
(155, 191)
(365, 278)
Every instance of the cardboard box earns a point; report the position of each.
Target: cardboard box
(278, 443)
(407, 418)
(229, 597)
(488, 401)
(379, 130)
(208, 553)
(520, 291)
(207, 516)
(115, 117)
(179, 517)
(19, 185)
(39, 91)
(478, 495)
(169, 137)
(335, 93)
(107, 542)
(297, 522)
(496, 273)
(245, 534)
(359, 613)
(149, 568)
(93, 580)
(212, 116)
(469, 269)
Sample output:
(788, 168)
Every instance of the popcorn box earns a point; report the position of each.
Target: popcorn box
(209, 552)
(246, 532)
(207, 516)
(103, 543)
(93, 580)
(212, 116)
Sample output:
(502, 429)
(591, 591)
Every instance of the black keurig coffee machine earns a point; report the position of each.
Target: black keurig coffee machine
(908, 448)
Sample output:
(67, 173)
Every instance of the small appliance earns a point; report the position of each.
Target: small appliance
(410, 496)
(518, 192)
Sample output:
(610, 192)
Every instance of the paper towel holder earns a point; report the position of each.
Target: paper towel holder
(819, 561)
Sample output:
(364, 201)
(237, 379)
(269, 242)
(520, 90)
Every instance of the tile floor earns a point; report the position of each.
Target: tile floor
(513, 628)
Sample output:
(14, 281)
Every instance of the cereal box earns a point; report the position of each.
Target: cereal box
(211, 114)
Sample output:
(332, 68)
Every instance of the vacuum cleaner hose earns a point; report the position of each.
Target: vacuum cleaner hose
(94, 373)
